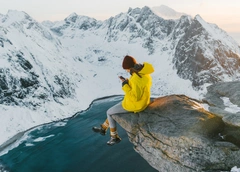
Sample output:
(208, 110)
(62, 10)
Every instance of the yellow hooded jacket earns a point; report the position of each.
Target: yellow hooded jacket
(138, 90)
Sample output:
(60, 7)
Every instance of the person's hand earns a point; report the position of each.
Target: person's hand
(122, 78)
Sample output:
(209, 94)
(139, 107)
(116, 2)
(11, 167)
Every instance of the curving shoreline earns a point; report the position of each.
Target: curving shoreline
(72, 145)
(19, 135)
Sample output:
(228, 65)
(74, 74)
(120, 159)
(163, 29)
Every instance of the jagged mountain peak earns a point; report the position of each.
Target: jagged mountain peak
(21, 22)
(140, 23)
(145, 10)
(200, 20)
(73, 21)
(72, 17)
(166, 12)
(215, 32)
(75, 18)
(16, 16)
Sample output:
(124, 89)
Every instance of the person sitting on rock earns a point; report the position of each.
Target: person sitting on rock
(137, 95)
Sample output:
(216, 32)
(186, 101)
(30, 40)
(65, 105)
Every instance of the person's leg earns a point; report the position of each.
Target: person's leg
(116, 109)
(105, 125)
(102, 129)
(112, 123)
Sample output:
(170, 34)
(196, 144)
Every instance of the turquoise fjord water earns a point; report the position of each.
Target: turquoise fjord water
(72, 146)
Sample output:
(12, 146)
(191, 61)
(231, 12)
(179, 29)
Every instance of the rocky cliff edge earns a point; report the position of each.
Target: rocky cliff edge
(175, 133)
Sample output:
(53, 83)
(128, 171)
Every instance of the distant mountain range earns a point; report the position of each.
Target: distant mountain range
(201, 52)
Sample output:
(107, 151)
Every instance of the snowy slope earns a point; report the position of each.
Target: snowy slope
(50, 71)
(41, 81)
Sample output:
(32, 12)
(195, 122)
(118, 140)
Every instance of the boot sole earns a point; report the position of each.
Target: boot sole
(114, 143)
(95, 131)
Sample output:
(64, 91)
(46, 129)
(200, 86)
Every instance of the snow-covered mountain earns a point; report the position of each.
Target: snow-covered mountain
(166, 12)
(206, 54)
(201, 52)
(51, 70)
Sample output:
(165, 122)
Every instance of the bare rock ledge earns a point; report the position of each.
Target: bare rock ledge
(175, 133)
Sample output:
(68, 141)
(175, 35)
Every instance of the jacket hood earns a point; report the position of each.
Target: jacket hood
(147, 69)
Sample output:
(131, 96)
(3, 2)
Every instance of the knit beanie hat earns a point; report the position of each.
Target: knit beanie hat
(128, 62)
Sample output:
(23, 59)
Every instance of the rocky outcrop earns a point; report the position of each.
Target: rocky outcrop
(175, 133)
(215, 97)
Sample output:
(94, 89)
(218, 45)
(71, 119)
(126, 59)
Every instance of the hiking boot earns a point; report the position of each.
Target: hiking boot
(114, 140)
(99, 130)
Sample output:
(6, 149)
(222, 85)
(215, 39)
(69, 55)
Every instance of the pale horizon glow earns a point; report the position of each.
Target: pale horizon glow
(224, 13)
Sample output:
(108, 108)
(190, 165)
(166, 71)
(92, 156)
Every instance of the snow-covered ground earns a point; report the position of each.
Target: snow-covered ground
(230, 107)
(235, 169)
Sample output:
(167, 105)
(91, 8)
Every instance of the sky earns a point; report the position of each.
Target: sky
(224, 13)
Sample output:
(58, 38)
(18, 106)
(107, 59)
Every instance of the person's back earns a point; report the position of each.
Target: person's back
(138, 89)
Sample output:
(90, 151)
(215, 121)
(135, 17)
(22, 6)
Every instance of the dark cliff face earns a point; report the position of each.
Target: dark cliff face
(176, 134)
(14, 90)
(202, 58)
(181, 27)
